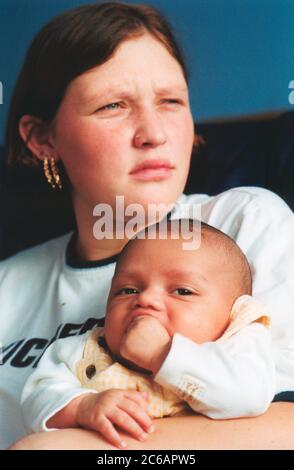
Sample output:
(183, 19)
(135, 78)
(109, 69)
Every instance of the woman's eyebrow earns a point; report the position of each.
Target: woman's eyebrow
(109, 91)
(171, 89)
(128, 94)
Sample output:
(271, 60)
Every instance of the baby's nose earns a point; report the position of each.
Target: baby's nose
(149, 299)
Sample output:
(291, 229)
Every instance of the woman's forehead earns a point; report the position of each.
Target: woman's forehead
(136, 60)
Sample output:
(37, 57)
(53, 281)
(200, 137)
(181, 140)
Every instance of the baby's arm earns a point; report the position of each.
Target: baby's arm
(53, 384)
(231, 379)
(126, 409)
(54, 398)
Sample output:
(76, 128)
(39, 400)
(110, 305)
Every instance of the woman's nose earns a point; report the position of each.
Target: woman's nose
(150, 130)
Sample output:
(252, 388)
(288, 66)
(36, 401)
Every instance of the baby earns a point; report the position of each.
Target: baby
(161, 297)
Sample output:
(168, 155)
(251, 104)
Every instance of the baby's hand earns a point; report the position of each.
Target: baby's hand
(124, 408)
(146, 343)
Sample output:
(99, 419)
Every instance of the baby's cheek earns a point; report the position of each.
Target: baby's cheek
(114, 327)
(197, 328)
(222, 325)
(112, 340)
(214, 327)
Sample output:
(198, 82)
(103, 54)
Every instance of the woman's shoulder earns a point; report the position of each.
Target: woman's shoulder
(38, 257)
(243, 199)
(252, 210)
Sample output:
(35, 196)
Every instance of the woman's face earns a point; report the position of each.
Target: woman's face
(125, 128)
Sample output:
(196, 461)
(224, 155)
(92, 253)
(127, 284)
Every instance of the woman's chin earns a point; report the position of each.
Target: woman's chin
(162, 197)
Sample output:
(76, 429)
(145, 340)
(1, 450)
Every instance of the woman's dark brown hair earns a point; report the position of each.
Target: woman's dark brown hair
(70, 44)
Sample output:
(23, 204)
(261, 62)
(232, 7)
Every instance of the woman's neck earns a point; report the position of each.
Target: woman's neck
(87, 247)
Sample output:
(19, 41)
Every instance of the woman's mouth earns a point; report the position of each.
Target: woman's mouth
(152, 170)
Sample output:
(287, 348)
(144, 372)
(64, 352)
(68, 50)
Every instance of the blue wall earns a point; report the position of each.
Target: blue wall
(241, 52)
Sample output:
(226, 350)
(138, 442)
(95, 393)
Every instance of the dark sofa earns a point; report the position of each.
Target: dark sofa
(253, 152)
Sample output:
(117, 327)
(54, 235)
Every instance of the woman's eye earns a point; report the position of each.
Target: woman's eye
(172, 101)
(127, 291)
(110, 106)
(183, 291)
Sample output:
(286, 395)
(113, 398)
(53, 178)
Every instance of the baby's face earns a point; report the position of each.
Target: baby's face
(188, 292)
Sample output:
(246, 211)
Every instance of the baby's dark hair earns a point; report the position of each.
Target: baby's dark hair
(234, 259)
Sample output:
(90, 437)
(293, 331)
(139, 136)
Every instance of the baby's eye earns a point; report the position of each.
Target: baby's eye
(183, 291)
(127, 291)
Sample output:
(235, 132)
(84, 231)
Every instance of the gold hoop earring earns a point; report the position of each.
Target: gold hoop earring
(51, 173)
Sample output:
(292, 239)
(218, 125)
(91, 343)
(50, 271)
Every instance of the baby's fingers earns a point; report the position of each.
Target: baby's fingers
(128, 424)
(108, 431)
(138, 397)
(139, 414)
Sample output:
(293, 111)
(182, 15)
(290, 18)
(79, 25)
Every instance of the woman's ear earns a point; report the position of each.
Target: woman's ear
(36, 136)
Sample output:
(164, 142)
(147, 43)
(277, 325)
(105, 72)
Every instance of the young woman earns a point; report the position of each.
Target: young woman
(102, 104)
